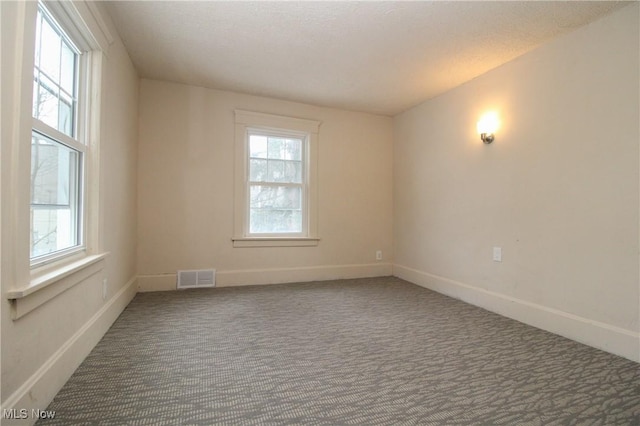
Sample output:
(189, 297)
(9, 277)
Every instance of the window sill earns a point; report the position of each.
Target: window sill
(50, 284)
(275, 242)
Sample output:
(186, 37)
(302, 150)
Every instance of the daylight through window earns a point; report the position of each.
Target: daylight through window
(276, 183)
(57, 153)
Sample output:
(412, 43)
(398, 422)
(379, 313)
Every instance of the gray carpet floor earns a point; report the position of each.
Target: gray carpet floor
(375, 351)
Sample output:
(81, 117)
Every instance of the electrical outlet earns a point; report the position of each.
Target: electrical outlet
(104, 289)
(497, 254)
(379, 255)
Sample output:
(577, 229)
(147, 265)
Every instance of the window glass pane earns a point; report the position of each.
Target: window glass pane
(47, 108)
(55, 200)
(67, 69)
(50, 51)
(258, 170)
(276, 171)
(275, 148)
(284, 171)
(55, 73)
(275, 197)
(65, 117)
(275, 209)
(293, 171)
(257, 146)
(275, 221)
(293, 149)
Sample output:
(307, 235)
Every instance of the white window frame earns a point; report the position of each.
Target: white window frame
(35, 285)
(275, 125)
(83, 25)
(303, 185)
(78, 142)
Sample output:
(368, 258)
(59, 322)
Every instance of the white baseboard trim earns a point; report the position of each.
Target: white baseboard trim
(38, 391)
(609, 338)
(166, 282)
(303, 274)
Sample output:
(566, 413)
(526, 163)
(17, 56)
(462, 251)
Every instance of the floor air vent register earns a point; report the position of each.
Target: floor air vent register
(196, 278)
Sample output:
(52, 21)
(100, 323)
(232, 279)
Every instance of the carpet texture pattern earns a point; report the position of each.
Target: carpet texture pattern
(376, 351)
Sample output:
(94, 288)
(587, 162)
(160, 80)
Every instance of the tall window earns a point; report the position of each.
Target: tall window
(276, 180)
(57, 146)
(277, 190)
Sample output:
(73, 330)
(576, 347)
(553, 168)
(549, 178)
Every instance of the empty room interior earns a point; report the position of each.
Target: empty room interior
(320, 212)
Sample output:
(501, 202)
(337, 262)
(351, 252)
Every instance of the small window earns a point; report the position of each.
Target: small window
(57, 146)
(276, 179)
(277, 184)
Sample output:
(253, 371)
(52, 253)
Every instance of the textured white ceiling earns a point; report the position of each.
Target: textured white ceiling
(380, 57)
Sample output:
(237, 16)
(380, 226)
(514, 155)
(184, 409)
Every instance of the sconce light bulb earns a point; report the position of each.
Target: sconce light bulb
(487, 126)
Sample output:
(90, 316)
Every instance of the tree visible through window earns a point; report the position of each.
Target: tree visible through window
(276, 183)
(57, 154)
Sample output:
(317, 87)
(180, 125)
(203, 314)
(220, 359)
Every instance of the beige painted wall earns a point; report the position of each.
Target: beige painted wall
(41, 349)
(557, 190)
(185, 187)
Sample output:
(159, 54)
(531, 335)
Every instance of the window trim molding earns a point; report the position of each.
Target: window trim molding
(55, 274)
(53, 282)
(80, 24)
(29, 288)
(84, 23)
(275, 242)
(72, 32)
(249, 120)
(304, 185)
